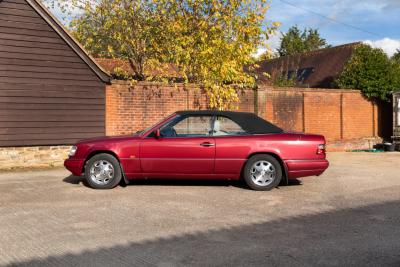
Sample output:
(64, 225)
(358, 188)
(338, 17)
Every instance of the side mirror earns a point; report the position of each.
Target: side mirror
(157, 134)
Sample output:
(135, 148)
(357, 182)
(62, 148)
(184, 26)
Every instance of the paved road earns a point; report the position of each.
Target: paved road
(348, 216)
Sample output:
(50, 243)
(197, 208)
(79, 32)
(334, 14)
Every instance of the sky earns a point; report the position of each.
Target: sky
(375, 22)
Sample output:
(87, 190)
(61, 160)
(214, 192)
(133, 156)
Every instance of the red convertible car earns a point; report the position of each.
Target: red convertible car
(201, 145)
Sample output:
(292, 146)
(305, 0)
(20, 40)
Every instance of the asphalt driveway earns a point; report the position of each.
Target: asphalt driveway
(348, 216)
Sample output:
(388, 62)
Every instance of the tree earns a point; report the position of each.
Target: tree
(297, 41)
(371, 71)
(123, 29)
(210, 41)
(214, 40)
(396, 56)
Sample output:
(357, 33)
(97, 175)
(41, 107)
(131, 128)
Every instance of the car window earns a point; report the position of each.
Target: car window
(191, 126)
(225, 126)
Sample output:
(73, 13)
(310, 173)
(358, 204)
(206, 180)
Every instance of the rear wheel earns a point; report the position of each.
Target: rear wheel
(102, 171)
(262, 172)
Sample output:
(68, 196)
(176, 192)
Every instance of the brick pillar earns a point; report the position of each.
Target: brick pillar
(111, 110)
(374, 119)
(260, 102)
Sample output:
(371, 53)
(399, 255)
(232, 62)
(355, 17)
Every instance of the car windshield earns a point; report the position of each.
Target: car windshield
(141, 132)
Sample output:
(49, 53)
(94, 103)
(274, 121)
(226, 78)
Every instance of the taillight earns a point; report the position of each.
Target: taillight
(321, 149)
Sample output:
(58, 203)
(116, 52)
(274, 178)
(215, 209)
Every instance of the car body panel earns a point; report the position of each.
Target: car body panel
(177, 155)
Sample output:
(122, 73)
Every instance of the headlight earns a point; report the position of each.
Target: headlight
(72, 151)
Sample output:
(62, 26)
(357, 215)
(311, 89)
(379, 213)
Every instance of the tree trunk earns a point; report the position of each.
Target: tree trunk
(138, 70)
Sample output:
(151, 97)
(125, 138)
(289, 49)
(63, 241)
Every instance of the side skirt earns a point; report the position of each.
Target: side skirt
(133, 176)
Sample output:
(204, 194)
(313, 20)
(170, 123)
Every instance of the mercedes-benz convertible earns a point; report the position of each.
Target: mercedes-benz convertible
(201, 145)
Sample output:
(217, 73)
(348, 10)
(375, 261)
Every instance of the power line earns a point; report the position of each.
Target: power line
(331, 19)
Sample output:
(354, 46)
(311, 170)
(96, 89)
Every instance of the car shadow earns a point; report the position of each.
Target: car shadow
(294, 182)
(181, 182)
(72, 179)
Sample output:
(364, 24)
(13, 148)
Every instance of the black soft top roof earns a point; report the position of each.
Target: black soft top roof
(249, 122)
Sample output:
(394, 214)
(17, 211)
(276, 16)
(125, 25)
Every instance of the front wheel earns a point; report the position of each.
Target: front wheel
(262, 172)
(102, 171)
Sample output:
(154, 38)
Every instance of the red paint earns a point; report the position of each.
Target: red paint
(219, 157)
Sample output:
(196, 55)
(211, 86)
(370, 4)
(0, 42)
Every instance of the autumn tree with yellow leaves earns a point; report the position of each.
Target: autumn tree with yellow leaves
(210, 41)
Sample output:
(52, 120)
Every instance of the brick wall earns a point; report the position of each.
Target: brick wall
(130, 108)
(337, 114)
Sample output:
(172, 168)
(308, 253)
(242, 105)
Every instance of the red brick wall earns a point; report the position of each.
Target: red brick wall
(132, 108)
(337, 114)
(285, 108)
(322, 114)
(359, 117)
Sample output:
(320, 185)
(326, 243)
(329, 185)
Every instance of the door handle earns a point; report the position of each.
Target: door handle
(207, 144)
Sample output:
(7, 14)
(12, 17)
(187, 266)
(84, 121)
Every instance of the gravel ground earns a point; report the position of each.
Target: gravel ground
(349, 216)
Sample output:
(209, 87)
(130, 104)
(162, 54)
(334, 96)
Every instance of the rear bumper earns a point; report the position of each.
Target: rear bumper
(302, 168)
(74, 165)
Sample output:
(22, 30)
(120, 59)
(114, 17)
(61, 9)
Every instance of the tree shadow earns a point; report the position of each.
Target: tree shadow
(362, 236)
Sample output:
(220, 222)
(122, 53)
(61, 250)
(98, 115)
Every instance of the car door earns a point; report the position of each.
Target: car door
(232, 147)
(185, 146)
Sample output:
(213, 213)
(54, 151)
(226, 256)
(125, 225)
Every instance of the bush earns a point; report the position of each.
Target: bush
(371, 71)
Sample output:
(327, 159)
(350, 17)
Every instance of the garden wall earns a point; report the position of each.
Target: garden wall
(344, 117)
(132, 108)
(337, 114)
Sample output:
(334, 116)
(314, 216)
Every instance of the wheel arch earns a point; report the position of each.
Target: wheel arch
(285, 177)
(102, 151)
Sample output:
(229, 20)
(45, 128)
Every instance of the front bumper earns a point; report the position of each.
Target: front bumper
(74, 165)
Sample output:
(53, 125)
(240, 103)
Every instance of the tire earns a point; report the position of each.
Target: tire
(103, 171)
(262, 172)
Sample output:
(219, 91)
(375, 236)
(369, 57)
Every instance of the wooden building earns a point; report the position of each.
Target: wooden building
(51, 91)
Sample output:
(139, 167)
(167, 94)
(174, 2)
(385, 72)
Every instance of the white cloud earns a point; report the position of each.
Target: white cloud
(273, 42)
(392, 4)
(388, 45)
(259, 52)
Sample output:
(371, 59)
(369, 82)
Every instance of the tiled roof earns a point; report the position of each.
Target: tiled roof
(314, 69)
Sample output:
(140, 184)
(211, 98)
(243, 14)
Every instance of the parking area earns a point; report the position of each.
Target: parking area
(348, 216)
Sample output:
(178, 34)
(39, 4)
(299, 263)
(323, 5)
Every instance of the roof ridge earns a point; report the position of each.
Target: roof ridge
(354, 44)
